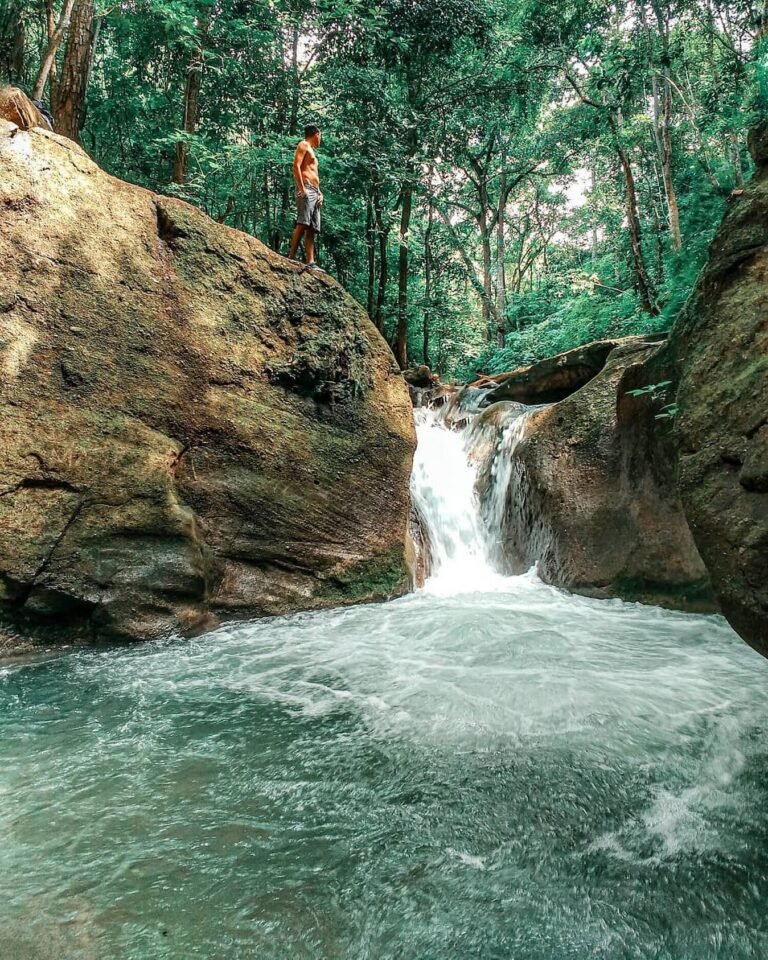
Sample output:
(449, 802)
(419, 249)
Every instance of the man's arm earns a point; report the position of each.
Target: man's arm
(301, 152)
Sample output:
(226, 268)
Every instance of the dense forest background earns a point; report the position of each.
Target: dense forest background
(504, 179)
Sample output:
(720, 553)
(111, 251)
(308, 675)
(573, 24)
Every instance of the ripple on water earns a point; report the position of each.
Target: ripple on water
(486, 769)
(513, 773)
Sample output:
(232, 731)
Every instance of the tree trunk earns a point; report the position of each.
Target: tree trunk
(485, 246)
(370, 247)
(662, 110)
(267, 204)
(50, 22)
(69, 107)
(18, 49)
(50, 54)
(382, 234)
(426, 321)
(656, 203)
(644, 287)
(501, 259)
(471, 274)
(593, 217)
(401, 332)
(666, 165)
(191, 106)
(12, 41)
(762, 24)
(292, 130)
(490, 316)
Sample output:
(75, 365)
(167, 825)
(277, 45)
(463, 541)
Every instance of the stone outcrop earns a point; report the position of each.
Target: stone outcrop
(721, 344)
(192, 428)
(555, 378)
(424, 386)
(592, 496)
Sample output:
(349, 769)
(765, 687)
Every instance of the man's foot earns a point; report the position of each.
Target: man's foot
(311, 266)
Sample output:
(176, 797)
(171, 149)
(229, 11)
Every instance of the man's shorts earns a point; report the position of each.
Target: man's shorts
(308, 209)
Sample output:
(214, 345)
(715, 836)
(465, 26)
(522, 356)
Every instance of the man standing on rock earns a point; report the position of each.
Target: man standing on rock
(309, 199)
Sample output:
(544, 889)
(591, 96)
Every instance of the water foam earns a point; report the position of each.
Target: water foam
(487, 767)
(462, 532)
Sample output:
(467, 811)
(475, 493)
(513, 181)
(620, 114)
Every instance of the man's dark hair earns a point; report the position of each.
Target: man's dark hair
(310, 130)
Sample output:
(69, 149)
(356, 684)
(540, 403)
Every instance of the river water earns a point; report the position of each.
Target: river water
(488, 769)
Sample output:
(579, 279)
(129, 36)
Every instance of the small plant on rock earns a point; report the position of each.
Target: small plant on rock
(657, 391)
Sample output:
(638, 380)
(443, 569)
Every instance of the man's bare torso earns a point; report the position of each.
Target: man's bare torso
(310, 172)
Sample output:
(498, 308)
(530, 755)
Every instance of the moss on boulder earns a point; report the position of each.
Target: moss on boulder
(192, 427)
(721, 347)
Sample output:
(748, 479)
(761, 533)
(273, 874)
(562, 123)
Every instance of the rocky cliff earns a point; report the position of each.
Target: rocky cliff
(592, 496)
(192, 428)
(721, 347)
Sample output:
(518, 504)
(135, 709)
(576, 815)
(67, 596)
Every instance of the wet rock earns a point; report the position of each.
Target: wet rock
(462, 404)
(422, 552)
(486, 429)
(555, 378)
(721, 345)
(424, 386)
(192, 428)
(421, 376)
(592, 496)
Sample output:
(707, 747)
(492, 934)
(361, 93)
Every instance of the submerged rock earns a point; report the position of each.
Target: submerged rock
(192, 427)
(721, 344)
(592, 496)
(556, 378)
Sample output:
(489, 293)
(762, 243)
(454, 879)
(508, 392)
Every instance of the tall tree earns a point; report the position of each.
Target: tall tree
(69, 107)
(12, 41)
(55, 38)
(192, 87)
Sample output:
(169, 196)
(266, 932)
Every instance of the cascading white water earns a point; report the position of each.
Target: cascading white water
(462, 533)
(443, 490)
(494, 505)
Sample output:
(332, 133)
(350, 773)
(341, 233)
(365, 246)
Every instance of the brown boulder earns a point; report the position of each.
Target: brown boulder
(592, 494)
(16, 107)
(556, 378)
(721, 342)
(421, 376)
(192, 427)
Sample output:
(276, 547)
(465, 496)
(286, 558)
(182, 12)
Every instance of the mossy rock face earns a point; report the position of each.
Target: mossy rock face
(721, 346)
(593, 497)
(192, 427)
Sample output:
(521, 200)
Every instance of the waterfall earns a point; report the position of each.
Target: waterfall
(463, 532)
(499, 476)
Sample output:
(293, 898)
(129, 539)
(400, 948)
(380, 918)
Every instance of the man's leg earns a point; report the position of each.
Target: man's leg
(295, 239)
(309, 245)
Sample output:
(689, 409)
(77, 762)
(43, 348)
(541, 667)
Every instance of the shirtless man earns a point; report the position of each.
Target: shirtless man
(309, 199)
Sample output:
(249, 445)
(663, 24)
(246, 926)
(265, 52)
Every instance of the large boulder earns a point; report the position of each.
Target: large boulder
(556, 378)
(721, 343)
(592, 496)
(192, 427)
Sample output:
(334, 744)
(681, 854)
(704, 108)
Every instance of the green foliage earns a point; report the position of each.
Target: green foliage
(652, 389)
(668, 412)
(516, 126)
